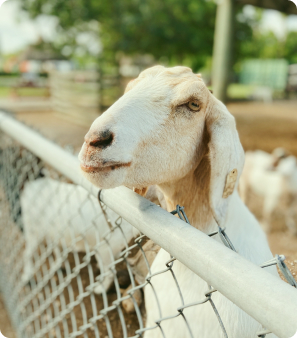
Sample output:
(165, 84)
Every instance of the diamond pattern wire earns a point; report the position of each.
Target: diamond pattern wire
(70, 267)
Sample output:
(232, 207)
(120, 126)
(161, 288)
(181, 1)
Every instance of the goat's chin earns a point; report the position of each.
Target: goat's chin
(106, 180)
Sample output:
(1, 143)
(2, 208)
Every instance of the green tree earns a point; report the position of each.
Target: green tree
(179, 31)
(175, 29)
(290, 47)
(263, 46)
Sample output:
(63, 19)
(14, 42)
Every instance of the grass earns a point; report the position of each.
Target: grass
(4, 91)
(23, 92)
(239, 91)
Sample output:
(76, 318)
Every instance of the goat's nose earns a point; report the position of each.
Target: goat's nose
(101, 140)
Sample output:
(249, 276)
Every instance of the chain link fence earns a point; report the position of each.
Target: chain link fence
(72, 267)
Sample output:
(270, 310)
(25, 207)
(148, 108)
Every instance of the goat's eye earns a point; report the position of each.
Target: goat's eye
(194, 105)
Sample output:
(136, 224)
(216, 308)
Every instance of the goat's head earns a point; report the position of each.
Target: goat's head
(155, 133)
(278, 154)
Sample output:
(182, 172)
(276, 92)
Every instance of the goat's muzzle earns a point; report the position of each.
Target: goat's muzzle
(101, 140)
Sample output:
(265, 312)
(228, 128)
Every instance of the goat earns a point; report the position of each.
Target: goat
(67, 215)
(12, 158)
(271, 176)
(169, 130)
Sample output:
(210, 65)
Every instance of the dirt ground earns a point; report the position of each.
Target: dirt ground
(260, 126)
(55, 128)
(266, 126)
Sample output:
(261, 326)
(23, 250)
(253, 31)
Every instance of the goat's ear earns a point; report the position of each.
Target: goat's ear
(226, 157)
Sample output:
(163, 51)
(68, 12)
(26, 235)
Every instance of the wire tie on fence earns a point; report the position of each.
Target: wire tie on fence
(221, 231)
(225, 239)
(279, 260)
(181, 213)
(285, 271)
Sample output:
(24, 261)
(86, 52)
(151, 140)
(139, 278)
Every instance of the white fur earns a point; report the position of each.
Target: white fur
(250, 242)
(67, 215)
(271, 184)
(161, 138)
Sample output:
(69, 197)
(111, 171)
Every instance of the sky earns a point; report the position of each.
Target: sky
(274, 21)
(17, 30)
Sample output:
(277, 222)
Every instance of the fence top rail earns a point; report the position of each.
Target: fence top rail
(269, 300)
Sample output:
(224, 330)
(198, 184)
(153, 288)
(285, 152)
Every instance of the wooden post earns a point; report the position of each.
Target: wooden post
(222, 48)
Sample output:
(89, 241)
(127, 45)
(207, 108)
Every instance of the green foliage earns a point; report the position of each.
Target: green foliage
(177, 30)
(263, 46)
(290, 47)
(268, 46)
(243, 36)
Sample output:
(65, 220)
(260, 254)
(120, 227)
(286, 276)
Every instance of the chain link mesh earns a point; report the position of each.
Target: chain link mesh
(71, 267)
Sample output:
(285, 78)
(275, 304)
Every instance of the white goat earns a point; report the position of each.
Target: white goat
(66, 214)
(271, 176)
(168, 129)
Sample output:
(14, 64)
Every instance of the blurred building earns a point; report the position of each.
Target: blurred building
(41, 57)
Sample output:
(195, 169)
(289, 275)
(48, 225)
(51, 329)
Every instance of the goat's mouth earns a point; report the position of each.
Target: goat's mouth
(103, 168)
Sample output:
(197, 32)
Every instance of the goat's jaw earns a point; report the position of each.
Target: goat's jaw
(105, 168)
(105, 177)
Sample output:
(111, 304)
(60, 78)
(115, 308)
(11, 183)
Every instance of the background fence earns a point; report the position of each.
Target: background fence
(74, 95)
(80, 96)
(71, 267)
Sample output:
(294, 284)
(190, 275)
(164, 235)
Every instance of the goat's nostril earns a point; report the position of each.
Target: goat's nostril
(104, 140)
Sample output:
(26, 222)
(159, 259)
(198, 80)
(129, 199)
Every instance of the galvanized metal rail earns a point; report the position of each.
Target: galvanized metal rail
(266, 298)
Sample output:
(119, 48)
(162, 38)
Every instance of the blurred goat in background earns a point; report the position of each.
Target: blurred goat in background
(273, 177)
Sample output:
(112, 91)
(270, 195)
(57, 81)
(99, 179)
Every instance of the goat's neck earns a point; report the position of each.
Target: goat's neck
(191, 192)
